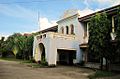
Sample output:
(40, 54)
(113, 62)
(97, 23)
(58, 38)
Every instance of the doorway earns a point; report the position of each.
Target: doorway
(66, 57)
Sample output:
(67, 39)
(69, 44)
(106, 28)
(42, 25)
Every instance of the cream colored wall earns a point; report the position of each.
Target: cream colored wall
(78, 27)
(54, 41)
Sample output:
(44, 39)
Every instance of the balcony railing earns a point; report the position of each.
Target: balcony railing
(56, 36)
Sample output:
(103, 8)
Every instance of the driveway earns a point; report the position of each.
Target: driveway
(15, 70)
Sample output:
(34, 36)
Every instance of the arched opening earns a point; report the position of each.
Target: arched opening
(62, 30)
(67, 30)
(72, 28)
(42, 52)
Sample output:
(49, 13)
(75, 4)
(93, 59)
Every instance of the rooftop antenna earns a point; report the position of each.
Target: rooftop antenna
(39, 20)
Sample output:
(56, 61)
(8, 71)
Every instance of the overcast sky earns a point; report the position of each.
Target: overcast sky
(22, 15)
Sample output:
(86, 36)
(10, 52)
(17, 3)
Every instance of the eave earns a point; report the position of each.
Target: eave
(109, 11)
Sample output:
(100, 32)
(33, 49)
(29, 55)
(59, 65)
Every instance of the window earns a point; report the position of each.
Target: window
(44, 36)
(86, 29)
(114, 23)
(72, 29)
(40, 36)
(62, 30)
(67, 30)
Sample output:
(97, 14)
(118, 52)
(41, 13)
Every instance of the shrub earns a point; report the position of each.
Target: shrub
(82, 63)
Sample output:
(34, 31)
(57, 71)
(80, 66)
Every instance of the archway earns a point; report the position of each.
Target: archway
(62, 30)
(42, 52)
(67, 30)
(72, 28)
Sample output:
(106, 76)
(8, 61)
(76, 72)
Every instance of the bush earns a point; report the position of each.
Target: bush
(82, 63)
(44, 63)
(99, 74)
(18, 56)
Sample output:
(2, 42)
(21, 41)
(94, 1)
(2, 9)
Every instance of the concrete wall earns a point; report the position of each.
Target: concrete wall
(54, 41)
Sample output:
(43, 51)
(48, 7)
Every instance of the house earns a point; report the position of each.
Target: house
(67, 42)
(111, 13)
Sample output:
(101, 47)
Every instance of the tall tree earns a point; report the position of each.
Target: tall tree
(2, 46)
(99, 36)
(118, 35)
(30, 46)
(12, 43)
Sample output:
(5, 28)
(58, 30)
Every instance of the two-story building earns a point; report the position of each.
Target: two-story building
(112, 16)
(67, 42)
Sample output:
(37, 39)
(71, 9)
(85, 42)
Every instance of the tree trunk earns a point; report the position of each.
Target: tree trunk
(108, 68)
(101, 63)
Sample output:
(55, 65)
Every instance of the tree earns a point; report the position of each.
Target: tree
(26, 45)
(30, 46)
(20, 45)
(2, 47)
(13, 44)
(118, 34)
(16, 44)
(99, 36)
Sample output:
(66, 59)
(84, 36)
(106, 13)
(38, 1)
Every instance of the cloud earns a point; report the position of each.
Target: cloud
(86, 3)
(17, 11)
(110, 2)
(115, 2)
(24, 19)
(87, 11)
(101, 5)
(101, 1)
(45, 23)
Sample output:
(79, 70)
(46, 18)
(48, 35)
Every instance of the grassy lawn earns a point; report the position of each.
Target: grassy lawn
(28, 63)
(101, 74)
(10, 59)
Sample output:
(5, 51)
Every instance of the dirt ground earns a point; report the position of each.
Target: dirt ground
(15, 70)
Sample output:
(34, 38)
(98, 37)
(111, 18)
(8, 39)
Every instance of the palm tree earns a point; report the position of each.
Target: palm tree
(20, 45)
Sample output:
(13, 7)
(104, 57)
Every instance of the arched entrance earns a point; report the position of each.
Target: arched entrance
(42, 52)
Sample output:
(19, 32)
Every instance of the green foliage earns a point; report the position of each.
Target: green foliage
(99, 74)
(3, 49)
(82, 63)
(43, 61)
(118, 35)
(99, 38)
(20, 45)
(99, 34)
(10, 59)
(118, 28)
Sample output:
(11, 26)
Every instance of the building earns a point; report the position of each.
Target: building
(67, 42)
(112, 16)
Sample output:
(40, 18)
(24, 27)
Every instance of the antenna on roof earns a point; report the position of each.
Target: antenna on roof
(38, 16)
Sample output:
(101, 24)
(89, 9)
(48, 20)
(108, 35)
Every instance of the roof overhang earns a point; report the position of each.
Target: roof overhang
(67, 49)
(83, 45)
(52, 29)
(109, 11)
(75, 15)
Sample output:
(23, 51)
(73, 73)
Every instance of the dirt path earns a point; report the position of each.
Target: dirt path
(14, 70)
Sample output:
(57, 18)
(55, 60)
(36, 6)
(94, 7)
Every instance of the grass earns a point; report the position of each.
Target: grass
(28, 63)
(99, 74)
(34, 65)
(10, 59)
